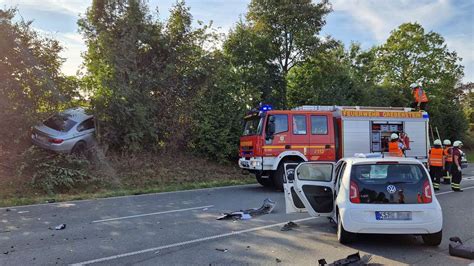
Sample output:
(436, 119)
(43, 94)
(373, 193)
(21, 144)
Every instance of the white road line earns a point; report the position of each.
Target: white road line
(188, 242)
(447, 192)
(132, 196)
(149, 214)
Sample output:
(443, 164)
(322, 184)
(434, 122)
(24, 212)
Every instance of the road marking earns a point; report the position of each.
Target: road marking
(149, 214)
(447, 192)
(188, 242)
(133, 196)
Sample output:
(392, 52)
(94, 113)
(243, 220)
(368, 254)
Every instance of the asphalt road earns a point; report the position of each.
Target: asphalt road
(181, 228)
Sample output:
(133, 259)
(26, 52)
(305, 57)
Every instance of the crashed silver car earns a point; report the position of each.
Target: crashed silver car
(71, 131)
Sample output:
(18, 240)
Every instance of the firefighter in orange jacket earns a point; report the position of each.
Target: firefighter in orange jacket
(419, 96)
(448, 161)
(395, 147)
(436, 163)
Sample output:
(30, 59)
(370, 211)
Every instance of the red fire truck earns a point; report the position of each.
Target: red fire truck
(272, 138)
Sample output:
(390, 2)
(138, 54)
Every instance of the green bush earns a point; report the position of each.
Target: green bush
(54, 173)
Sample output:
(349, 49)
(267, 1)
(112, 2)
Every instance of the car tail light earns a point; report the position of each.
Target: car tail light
(426, 196)
(354, 192)
(56, 141)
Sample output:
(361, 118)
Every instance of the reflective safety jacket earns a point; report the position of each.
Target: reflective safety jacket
(436, 156)
(448, 154)
(394, 149)
(419, 95)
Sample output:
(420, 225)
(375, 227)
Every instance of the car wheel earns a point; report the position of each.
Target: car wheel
(433, 239)
(266, 182)
(343, 236)
(79, 149)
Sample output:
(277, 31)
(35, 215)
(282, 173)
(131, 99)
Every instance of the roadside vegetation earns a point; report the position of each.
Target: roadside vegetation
(169, 96)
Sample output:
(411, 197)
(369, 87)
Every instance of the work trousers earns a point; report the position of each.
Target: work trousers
(436, 173)
(456, 178)
(447, 172)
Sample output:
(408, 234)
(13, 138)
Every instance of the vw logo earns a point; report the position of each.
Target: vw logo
(391, 189)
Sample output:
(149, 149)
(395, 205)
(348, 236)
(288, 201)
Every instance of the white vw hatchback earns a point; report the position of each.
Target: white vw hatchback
(367, 195)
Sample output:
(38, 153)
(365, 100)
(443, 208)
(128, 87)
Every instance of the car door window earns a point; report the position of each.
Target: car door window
(86, 125)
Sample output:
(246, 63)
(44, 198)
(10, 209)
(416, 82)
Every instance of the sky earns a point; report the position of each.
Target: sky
(368, 22)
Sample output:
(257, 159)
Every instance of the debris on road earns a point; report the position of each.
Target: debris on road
(7, 210)
(51, 201)
(59, 227)
(20, 212)
(289, 226)
(278, 260)
(352, 260)
(267, 207)
(459, 249)
(222, 249)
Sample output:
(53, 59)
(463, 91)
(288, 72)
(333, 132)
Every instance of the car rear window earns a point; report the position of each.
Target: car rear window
(388, 173)
(389, 183)
(60, 122)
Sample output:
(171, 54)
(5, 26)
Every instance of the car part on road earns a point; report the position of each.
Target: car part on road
(59, 227)
(458, 249)
(289, 226)
(352, 260)
(222, 249)
(267, 207)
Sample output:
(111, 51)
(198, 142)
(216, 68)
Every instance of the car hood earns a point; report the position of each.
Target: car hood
(48, 131)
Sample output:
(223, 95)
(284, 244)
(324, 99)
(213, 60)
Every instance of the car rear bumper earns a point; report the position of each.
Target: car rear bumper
(64, 147)
(425, 220)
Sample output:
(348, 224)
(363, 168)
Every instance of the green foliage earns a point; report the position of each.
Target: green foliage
(54, 173)
(31, 84)
(143, 73)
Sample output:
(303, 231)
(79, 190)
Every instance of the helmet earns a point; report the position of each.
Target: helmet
(414, 85)
(394, 136)
(437, 142)
(457, 143)
(447, 142)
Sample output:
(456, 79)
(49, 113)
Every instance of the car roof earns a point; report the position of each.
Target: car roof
(77, 114)
(357, 160)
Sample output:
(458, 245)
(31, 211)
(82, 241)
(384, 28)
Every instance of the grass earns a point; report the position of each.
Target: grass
(470, 156)
(107, 193)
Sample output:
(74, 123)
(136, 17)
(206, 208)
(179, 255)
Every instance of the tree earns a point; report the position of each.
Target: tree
(411, 54)
(326, 78)
(31, 84)
(277, 36)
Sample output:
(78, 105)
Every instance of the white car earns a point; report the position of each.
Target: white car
(367, 195)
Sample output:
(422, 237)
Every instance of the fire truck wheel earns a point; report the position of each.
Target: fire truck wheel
(277, 177)
(266, 182)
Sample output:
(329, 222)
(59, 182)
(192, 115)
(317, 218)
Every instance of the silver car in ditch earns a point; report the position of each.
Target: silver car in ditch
(71, 131)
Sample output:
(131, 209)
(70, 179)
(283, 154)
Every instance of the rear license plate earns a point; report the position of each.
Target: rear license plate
(403, 216)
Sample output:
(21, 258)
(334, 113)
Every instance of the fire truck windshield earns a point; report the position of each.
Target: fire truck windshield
(253, 126)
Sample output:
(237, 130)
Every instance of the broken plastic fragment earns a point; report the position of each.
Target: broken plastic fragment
(458, 249)
(222, 249)
(60, 227)
(289, 226)
(267, 207)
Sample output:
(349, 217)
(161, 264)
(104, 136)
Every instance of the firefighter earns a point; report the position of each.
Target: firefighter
(456, 173)
(448, 160)
(419, 96)
(395, 147)
(436, 163)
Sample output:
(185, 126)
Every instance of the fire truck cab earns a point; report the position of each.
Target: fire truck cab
(272, 138)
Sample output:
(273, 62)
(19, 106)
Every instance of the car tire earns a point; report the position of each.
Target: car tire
(278, 175)
(343, 236)
(433, 239)
(79, 149)
(266, 182)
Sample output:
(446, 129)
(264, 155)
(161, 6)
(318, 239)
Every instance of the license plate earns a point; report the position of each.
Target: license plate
(403, 216)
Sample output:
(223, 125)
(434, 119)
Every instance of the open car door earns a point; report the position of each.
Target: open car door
(293, 203)
(313, 183)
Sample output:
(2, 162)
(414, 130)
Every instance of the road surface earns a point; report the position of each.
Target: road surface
(181, 228)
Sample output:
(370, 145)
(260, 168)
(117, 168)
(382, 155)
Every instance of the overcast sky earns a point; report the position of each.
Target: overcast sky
(368, 22)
